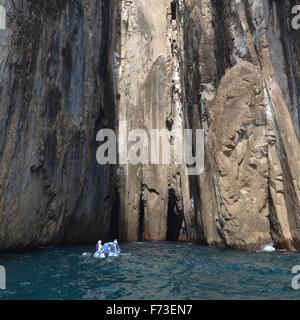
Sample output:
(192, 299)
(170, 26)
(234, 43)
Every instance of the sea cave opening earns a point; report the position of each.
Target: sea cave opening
(175, 219)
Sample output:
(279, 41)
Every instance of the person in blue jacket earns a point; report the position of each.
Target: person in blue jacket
(112, 249)
(106, 249)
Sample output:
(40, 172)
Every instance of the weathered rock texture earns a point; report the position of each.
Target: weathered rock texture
(152, 196)
(69, 68)
(56, 92)
(242, 76)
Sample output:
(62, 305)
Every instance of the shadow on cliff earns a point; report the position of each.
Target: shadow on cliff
(59, 91)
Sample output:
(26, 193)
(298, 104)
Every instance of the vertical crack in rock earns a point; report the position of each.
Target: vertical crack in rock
(141, 218)
(175, 219)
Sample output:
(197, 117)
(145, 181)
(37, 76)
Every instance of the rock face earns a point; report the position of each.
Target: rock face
(244, 65)
(152, 199)
(56, 92)
(69, 68)
(238, 135)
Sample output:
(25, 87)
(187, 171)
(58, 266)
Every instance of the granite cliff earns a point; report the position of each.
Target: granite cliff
(70, 68)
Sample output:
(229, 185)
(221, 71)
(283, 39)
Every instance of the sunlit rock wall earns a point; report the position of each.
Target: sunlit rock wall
(242, 76)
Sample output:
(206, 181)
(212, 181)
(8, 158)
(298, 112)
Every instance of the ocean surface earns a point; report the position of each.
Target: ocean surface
(150, 271)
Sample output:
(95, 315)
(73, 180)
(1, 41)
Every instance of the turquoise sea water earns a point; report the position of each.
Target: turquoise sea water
(150, 271)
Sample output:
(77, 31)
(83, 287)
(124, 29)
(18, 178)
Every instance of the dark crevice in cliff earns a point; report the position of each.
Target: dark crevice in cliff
(222, 48)
(275, 229)
(114, 224)
(141, 219)
(286, 36)
(290, 195)
(291, 201)
(174, 9)
(196, 207)
(175, 219)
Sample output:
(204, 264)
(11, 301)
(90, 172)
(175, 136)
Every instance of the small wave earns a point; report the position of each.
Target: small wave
(87, 254)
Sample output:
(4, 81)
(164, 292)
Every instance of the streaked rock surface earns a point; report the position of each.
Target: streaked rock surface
(56, 92)
(70, 68)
